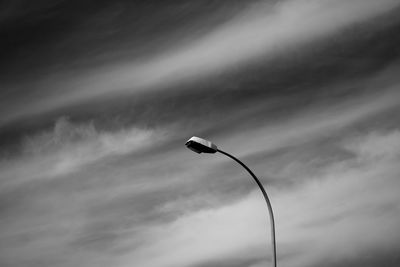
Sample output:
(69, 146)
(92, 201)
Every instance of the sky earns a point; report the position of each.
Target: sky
(97, 99)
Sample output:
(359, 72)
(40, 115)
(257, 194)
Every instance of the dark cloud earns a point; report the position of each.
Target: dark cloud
(98, 99)
(55, 34)
(300, 77)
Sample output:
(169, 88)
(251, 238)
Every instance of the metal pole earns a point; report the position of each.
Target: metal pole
(271, 214)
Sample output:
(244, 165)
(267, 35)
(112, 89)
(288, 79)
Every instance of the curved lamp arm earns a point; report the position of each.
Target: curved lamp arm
(271, 214)
(200, 145)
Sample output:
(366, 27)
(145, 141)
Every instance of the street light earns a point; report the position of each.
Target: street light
(200, 145)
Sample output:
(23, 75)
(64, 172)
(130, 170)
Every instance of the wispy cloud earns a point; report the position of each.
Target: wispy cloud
(313, 123)
(68, 147)
(260, 31)
(112, 184)
(336, 211)
(143, 210)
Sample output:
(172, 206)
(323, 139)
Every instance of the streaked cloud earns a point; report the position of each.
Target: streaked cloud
(93, 167)
(68, 147)
(336, 211)
(143, 209)
(261, 31)
(377, 145)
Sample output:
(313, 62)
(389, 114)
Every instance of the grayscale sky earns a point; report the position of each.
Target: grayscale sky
(97, 99)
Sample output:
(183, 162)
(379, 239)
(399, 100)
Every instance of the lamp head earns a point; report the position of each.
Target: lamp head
(200, 145)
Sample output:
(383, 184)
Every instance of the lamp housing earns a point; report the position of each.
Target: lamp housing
(200, 145)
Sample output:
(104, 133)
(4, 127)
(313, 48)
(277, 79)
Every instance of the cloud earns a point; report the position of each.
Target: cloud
(113, 207)
(50, 191)
(335, 215)
(63, 134)
(377, 145)
(312, 123)
(129, 195)
(68, 147)
(257, 32)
